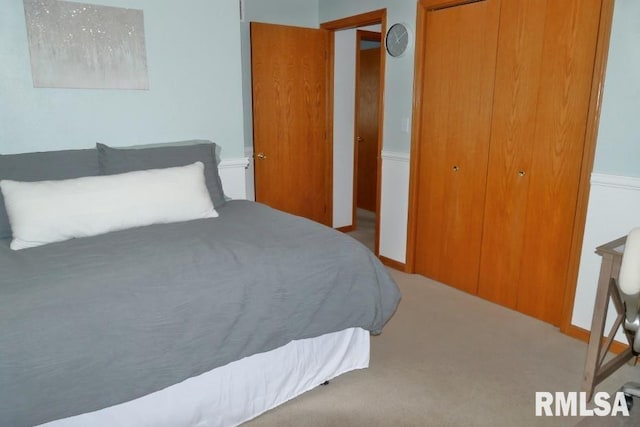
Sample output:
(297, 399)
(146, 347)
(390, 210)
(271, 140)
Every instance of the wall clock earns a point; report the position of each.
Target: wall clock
(398, 39)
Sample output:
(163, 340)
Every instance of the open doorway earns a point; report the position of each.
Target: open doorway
(367, 104)
(358, 108)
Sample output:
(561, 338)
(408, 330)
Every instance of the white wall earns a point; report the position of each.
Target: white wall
(233, 176)
(614, 209)
(195, 85)
(394, 205)
(343, 126)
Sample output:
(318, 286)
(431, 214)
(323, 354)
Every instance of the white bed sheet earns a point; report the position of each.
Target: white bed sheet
(237, 392)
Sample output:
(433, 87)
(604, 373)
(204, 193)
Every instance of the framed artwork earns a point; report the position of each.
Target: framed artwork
(78, 45)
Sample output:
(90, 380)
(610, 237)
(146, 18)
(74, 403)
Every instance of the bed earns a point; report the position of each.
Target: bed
(209, 321)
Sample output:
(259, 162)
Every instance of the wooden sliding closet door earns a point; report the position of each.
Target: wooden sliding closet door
(544, 71)
(561, 121)
(457, 97)
(504, 90)
(518, 77)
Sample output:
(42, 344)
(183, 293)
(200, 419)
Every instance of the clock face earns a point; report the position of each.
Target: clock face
(397, 40)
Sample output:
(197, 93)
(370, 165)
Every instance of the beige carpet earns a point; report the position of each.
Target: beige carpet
(450, 359)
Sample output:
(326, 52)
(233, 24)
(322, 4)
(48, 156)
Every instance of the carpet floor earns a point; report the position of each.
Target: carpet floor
(450, 359)
(365, 228)
(447, 358)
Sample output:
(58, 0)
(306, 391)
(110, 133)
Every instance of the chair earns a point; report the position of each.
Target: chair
(628, 285)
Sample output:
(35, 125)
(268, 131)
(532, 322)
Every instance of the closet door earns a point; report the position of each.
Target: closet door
(571, 32)
(518, 77)
(543, 83)
(457, 96)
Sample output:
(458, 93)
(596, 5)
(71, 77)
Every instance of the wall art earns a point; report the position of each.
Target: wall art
(79, 45)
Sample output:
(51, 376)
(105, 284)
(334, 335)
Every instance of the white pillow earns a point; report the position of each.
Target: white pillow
(52, 211)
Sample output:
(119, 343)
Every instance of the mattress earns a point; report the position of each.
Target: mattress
(241, 390)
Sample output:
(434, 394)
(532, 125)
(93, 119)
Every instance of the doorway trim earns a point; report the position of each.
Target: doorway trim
(362, 20)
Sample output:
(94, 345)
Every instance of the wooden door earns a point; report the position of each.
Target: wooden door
(518, 78)
(543, 80)
(571, 31)
(368, 93)
(457, 96)
(292, 149)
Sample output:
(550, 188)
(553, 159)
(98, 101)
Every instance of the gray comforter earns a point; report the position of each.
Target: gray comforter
(93, 322)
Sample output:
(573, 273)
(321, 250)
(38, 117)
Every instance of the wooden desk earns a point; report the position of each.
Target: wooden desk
(596, 370)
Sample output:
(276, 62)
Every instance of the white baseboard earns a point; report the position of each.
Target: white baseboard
(233, 175)
(250, 184)
(614, 209)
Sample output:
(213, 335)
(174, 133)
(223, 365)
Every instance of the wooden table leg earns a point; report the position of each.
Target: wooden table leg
(596, 370)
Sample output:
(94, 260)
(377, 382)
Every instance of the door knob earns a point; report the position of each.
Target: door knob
(456, 168)
(261, 156)
(521, 173)
(359, 139)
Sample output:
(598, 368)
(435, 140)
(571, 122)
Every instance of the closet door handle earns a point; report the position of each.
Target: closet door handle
(521, 173)
(455, 168)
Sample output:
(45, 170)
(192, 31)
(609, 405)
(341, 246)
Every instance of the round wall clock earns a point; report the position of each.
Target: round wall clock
(398, 39)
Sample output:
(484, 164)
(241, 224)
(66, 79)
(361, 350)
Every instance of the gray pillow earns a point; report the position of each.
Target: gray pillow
(120, 160)
(42, 166)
